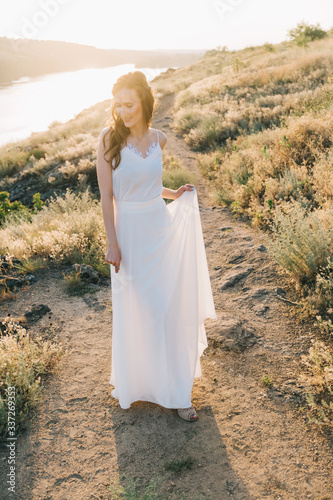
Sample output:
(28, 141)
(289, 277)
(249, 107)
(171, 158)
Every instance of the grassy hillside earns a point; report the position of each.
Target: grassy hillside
(261, 125)
(66, 225)
(260, 121)
(23, 57)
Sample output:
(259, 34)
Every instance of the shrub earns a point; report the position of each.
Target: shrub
(68, 229)
(37, 202)
(12, 162)
(317, 372)
(301, 241)
(7, 207)
(260, 172)
(267, 381)
(305, 33)
(319, 297)
(23, 361)
(38, 153)
(269, 47)
(175, 174)
(75, 284)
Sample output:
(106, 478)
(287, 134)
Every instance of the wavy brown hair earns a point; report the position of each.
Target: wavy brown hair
(118, 132)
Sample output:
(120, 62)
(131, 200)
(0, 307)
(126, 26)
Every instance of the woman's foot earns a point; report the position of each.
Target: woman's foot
(188, 414)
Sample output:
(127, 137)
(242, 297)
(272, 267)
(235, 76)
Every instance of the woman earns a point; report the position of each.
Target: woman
(160, 285)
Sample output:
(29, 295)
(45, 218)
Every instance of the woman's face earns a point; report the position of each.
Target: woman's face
(128, 107)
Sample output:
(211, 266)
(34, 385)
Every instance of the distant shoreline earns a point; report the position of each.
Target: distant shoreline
(26, 106)
(23, 58)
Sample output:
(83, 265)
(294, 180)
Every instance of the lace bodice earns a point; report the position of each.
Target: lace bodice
(138, 177)
(139, 153)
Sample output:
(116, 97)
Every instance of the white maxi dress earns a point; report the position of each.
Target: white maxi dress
(162, 293)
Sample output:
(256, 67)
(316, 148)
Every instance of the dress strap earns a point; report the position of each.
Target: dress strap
(158, 139)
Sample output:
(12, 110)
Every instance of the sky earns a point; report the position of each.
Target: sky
(153, 24)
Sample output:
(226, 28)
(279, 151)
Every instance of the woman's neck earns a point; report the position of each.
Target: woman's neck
(139, 131)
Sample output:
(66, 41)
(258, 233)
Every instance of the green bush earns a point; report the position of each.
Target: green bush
(305, 33)
(37, 202)
(173, 179)
(7, 207)
(301, 242)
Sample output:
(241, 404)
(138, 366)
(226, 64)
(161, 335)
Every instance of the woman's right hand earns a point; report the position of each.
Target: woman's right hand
(113, 256)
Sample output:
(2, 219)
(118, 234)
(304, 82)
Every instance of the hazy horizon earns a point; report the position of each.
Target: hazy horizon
(188, 25)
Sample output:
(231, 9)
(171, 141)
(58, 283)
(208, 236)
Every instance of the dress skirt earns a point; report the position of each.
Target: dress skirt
(160, 299)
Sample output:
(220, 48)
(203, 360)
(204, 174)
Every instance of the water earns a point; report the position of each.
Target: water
(31, 104)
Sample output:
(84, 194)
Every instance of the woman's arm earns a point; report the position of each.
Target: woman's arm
(169, 194)
(172, 194)
(104, 177)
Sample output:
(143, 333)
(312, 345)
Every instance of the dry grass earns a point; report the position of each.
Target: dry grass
(261, 122)
(317, 373)
(302, 242)
(23, 360)
(261, 119)
(266, 88)
(68, 229)
(42, 152)
(264, 129)
(175, 174)
(266, 170)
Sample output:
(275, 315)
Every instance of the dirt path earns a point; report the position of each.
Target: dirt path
(249, 442)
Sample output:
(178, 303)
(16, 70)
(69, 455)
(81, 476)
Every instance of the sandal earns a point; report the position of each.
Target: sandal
(188, 414)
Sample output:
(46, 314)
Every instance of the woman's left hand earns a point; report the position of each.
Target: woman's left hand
(187, 187)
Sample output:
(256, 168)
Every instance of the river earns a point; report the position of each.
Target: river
(32, 104)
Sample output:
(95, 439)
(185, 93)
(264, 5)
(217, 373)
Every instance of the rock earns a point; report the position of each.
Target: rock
(236, 258)
(231, 333)
(260, 293)
(234, 278)
(226, 229)
(87, 273)
(280, 291)
(11, 282)
(30, 278)
(37, 311)
(92, 286)
(262, 248)
(94, 304)
(261, 310)
(290, 381)
(216, 273)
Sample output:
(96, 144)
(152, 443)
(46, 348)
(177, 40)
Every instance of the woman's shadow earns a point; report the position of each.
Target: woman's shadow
(158, 452)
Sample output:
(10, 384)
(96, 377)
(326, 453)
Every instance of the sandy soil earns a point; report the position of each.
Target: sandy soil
(250, 442)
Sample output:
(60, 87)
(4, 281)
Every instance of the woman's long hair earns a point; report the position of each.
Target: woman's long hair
(118, 132)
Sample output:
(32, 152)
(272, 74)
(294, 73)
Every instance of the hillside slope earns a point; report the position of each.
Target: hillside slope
(22, 57)
(251, 441)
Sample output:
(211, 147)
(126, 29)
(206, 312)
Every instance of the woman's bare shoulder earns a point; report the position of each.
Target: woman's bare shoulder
(104, 131)
(102, 135)
(162, 137)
